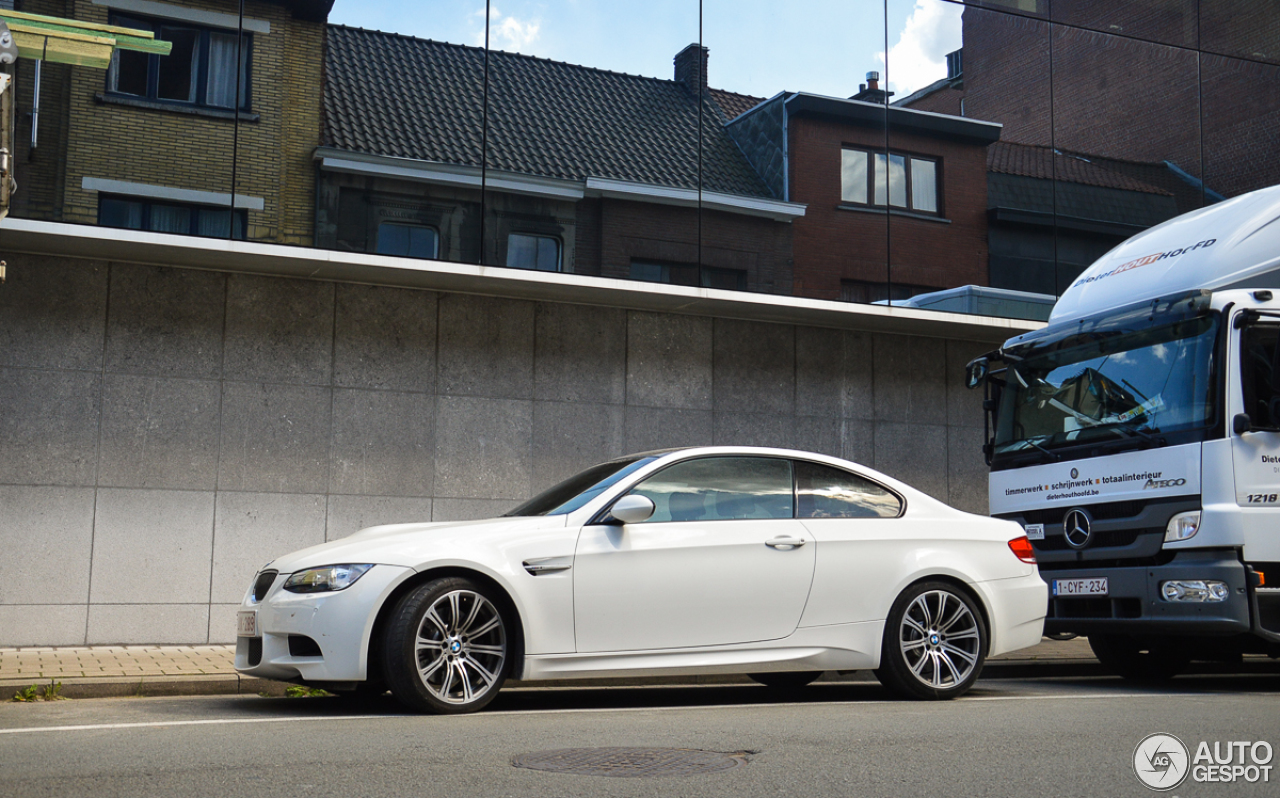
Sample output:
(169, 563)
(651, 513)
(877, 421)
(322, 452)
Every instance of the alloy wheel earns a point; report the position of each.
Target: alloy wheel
(461, 647)
(940, 639)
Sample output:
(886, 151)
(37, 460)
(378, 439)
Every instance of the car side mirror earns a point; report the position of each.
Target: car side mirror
(1241, 424)
(632, 509)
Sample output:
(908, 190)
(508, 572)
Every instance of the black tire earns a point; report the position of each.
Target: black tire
(1136, 659)
(935, 643)
(447, 647)
(785, 680)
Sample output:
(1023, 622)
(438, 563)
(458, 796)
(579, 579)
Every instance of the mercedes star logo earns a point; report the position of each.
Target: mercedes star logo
(1075, 473)
(1076, 528)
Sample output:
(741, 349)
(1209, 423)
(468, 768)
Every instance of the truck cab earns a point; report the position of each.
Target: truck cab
(1136, 438)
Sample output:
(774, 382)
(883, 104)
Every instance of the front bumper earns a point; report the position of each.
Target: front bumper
(338, 623)
(1134, 605)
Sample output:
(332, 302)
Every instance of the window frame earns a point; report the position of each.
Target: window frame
(377, 238)
(794, 462)
(545, 236)
(870, 188)
(154, 24)
(795, 476)
(147, 204)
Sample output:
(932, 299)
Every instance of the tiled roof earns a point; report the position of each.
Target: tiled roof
(388, 94)
(734, 105)
(1034, 161)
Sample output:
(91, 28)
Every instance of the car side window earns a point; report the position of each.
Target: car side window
(826, 492)
(720, 489)
(1258, 356)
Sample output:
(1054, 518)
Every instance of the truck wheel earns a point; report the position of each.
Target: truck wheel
(1137, 660)
(935, 643)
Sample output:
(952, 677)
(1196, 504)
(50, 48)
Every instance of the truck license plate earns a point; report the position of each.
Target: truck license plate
(247, 623)
(1080, 587)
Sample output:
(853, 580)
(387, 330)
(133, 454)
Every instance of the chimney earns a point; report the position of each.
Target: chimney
(871, 92)
(691, 68)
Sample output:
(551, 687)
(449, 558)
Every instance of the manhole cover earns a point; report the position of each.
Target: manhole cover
(630, 762)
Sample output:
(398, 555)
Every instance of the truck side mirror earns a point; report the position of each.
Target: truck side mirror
(976, 372)
(1241, 424)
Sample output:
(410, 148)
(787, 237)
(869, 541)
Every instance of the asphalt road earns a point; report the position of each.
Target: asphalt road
(1016, 738)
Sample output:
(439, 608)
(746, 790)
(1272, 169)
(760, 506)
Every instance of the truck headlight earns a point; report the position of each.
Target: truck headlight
(326, 579)
(1194, 590)
(1182, 526)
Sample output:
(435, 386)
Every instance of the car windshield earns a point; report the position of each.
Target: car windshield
(581, 488)
(1110, 388)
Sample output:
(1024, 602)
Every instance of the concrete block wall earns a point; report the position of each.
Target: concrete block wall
(165, 432)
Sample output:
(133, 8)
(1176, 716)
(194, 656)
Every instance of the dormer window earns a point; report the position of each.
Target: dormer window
(889, 180)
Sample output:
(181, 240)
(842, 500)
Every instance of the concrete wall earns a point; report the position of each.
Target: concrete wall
(164, 432)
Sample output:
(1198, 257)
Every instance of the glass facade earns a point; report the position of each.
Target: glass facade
(867, 151)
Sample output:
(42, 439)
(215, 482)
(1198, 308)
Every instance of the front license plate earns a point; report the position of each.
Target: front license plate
(247, 623)
(1067, 588)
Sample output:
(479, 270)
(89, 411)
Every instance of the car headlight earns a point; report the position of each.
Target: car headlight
(326, 579)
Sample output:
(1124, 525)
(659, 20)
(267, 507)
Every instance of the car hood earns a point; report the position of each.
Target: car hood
(413, 545)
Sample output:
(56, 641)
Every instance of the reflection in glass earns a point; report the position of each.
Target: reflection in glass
(924, 186)
(719, 489)
(409, 240)
(897, 180)
(826, 492)
(853, 176)
(533, 252)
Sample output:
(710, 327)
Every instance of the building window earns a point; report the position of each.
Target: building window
(169, 217)
(869, 291)
(409, 240)
(889, 180)
(201, 69)
(541, 253)
(688, 274)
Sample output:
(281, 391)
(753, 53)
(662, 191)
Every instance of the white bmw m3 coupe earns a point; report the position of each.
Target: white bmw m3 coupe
(774, 563)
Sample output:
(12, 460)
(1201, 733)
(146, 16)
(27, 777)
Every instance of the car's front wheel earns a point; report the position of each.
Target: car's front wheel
(935, 643)
(446, 647)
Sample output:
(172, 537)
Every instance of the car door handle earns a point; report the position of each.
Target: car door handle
(785, 543)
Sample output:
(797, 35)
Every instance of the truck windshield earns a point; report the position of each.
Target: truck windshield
(1100, 387)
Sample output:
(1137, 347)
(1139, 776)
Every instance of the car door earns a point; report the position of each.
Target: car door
(721, 561)
(866, 544)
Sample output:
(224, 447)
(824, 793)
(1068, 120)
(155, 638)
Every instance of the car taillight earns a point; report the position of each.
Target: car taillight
(1021, 548)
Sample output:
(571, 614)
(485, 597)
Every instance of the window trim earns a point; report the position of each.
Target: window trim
(201, 77)
(908, 209)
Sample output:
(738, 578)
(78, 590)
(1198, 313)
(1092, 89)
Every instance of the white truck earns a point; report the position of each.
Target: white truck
(1136, 438)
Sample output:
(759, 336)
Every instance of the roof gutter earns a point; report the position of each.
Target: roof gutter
(349, 162)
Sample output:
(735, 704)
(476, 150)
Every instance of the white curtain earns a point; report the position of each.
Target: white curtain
(170, 219)
(222, 73)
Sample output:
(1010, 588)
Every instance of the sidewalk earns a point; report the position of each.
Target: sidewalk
(112, 671)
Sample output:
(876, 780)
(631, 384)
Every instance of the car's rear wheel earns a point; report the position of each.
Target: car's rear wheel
(935, 643)
(446, 647)
(1133, 659)
(785, 680)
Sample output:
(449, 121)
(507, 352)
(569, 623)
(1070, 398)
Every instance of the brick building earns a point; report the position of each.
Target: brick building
(894, 208)
(153, 149)
(557, 168)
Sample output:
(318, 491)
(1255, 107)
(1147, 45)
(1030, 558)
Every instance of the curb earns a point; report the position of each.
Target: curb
(234, 684)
